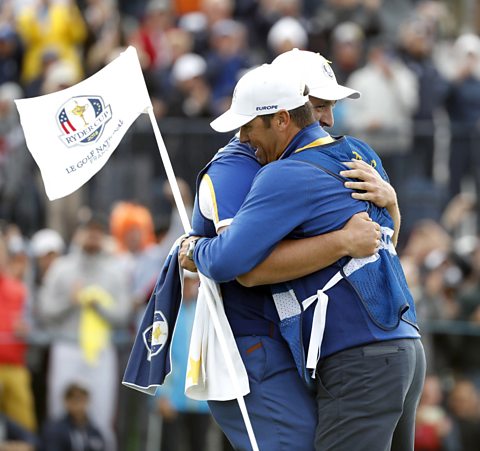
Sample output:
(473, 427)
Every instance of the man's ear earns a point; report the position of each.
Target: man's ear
(282, 119)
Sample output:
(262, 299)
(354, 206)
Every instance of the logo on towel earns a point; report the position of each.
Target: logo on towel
(156, 335)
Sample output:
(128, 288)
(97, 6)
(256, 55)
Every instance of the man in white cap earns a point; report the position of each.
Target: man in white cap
(370, 374)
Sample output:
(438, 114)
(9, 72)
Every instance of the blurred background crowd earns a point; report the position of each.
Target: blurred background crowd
(83, 266)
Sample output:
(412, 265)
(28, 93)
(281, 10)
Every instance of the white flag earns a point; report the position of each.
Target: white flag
(72, 133)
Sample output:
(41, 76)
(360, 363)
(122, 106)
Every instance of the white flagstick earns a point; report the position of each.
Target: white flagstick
(216, 323)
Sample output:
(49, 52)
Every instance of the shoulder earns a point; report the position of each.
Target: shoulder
(361, 147)
(287, 173)
(361, 150)
(234, 158)
(235, 149)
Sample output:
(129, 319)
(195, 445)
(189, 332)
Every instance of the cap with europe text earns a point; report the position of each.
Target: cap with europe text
(263, 90)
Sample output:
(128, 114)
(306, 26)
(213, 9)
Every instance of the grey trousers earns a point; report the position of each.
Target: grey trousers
(367, 397)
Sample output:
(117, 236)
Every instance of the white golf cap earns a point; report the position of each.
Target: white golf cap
(263, 90)
(317, 72)
(188, 66)
(45, 241)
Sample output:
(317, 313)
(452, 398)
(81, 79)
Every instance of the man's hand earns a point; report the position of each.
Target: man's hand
(187, 262)
(377, 190)
(166, 410)
(362, 235)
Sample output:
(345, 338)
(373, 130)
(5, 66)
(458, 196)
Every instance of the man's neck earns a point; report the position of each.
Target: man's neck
(310, 132)
(288, 137)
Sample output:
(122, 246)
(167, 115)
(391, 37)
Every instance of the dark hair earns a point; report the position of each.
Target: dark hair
(303, 115)
(267, 118)
(73, 389)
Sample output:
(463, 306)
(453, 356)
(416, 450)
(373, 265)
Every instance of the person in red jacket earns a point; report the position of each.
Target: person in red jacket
(17, 399)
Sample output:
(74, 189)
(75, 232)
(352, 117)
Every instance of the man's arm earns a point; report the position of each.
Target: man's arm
(292, 259)
(280, 200)
(377, 190)
(296, 258)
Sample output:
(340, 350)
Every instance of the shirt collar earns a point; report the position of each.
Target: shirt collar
(304, 137)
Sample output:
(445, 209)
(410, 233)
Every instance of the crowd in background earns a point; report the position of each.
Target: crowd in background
(88, 262)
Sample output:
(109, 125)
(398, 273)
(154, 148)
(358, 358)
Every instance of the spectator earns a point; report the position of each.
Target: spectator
(417, 42)
(347, 50)
(469, 301)
(17, 400)
(180, 42)
(464, 404)
(191, 94)
(366, 14)
(226, 59)
(18, 256)
(46, 245)
(152, 40)
(286, 34)
(19, 194)
(433, 429)
(201, 23)
(104, 32)
(442, 281)
(463, 104)
(14, 437)
(11, 54)
(132, 228)
(34, 88)
(85, 298)
(51, 24)
(266, 15)
(75, 431)
(383, 114)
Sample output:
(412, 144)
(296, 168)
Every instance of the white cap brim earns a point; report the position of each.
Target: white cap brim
(333, 92)
(230, 121)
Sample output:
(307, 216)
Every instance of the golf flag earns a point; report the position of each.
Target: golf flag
(72, 133)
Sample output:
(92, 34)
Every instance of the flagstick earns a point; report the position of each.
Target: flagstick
(204, 280)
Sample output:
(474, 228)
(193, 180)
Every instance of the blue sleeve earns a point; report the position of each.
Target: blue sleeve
(231, 179)
(285, 196)
(263, 220)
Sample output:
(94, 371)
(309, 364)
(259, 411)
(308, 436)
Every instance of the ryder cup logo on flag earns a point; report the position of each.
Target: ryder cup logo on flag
(82, 120)
(72, 133)
(156, 335)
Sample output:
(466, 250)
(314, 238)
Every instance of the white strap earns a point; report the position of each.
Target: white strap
(319, 319)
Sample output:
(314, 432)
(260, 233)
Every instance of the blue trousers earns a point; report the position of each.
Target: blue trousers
(280, 406)
(367, 397)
